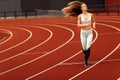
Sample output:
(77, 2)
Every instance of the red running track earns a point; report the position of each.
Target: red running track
(50, 49)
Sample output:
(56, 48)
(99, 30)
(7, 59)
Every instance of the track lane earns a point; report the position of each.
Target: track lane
(61, 70)
(5, 52)
(72, 53)
(68, 32)
(117, 38)
(57, 72)
(34, 41)
(41, 40)
(6, 36)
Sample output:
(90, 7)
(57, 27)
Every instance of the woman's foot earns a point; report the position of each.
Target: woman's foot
(86, 65)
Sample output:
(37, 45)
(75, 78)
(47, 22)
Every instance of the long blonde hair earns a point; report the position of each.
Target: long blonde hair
(73, 9)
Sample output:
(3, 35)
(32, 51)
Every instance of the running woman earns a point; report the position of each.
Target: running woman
(85, 21)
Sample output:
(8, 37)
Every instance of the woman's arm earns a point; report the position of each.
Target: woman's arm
(93, 21)
(79, 22)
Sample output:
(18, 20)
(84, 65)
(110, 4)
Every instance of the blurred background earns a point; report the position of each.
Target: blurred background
(19, 8)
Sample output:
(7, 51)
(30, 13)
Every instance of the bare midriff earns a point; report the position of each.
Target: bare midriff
(86, 28)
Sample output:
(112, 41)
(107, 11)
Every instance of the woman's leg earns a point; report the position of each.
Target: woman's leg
(88, 45)
(89, 39)
(83, 38)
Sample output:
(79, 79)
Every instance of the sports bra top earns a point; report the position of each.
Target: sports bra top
(83, 21)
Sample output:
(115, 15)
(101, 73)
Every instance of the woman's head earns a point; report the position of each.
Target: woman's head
(84, 7)
(74, 8)
(74, 3)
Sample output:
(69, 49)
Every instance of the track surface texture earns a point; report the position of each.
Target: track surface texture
(50, 49)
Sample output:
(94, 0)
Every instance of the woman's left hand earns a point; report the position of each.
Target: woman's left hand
(94, 25)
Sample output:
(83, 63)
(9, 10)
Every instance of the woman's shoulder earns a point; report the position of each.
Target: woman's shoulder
(79, 15)
(90, 14)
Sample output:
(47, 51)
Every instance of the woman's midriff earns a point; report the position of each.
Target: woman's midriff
(86, 28)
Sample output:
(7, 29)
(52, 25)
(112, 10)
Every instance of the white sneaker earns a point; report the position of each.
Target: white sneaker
(86, 65)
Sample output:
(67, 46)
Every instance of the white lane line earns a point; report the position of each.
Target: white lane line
(101, 60)
(91, 62)
(110, 26)
(51, 34)
(19, 43)
(110, 33)
(108, 21)
(3, 39)
(76, 25)
(8, 32)
(30, 48)
(61, 61)
(46, 53)
(113, 22)
(119, 47)
(16, 45)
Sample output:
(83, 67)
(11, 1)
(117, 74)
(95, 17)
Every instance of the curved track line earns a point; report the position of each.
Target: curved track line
(75, 63)
(59, 62)
(101, 59)
(110, 26)
(9, 32)
(76, 25)
(30, 48)
(51, 34)
(19, 43)
(48, 52)
(108, 21)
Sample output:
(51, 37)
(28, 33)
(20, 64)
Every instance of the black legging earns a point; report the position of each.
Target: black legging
(86, 56)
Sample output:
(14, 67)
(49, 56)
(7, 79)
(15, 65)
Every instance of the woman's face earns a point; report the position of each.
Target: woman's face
(84, 7)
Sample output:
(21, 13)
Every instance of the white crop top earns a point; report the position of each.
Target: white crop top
(83, 21)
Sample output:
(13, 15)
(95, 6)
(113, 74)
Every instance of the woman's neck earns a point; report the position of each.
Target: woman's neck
(84, 12)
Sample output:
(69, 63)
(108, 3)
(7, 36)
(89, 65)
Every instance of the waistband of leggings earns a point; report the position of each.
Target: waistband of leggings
(87, 30)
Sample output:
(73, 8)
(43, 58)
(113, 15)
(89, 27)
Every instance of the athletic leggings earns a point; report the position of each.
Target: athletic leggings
(86, 37)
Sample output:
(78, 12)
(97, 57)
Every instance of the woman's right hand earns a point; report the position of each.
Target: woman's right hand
(89, 24)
